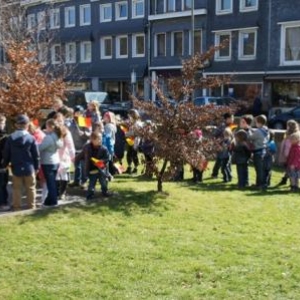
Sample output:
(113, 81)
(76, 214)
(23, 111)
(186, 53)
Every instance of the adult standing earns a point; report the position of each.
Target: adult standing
(21, 151)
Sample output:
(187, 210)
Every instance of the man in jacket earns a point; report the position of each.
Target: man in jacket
(22, 153)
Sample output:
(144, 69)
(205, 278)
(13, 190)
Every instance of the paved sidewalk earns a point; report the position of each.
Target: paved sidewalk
(73, 196)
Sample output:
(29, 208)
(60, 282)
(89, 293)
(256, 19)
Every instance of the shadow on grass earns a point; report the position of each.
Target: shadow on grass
(225, 187)
(128, 202)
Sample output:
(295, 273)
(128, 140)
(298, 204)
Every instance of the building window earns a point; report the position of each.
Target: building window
(105, 12)
(85, 52)
(54, 18)
(248, 5)
(71, 53)
(290, 44)
(247, 44)
(56, 54)
(177, 44)
(106, 47)
(223, 39)
(160, 45)
(31, 24)
(197, 42)
(41, 19)
(223, 7)
(121, 10)
(70, 16)
(137, 8)
(171, 5)
(187, 4)
(85, 15)
(122, 46)
(138, 45)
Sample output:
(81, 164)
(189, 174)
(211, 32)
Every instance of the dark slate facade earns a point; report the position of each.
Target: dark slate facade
(264, 57)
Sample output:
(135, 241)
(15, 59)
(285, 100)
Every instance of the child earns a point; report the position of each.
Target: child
(269, 159)
(147, 148)
(258, 138)
(225, 156)
(240, 156)
(94, 150)
(109, 140)
(293, 161)
(93, 112)
(22, 152)
(291, 127)
(133, 141)
(228, 123)
(198, 170)
(66, 157)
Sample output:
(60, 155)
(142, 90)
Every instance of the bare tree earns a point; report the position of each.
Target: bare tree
(172, 125)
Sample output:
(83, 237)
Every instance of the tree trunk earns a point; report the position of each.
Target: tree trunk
(160, 176)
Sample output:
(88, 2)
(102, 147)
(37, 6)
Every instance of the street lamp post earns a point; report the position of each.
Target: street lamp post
(193, 27)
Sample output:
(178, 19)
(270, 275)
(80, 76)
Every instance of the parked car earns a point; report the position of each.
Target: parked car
(199, 101)
(105, 102)
(279, 121)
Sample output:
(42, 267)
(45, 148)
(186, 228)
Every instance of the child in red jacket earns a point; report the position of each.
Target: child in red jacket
(293, 161)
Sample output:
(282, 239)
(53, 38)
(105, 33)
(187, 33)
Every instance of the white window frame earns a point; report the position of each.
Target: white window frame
(220, 11)
(102, 7)
(102, 47)
(217, 42)
(41, 20)
(54, 60)
(285, 26)
(83, 56)
(118, 46)
(68, 10)
(156, 44)
(31, 21)
(134, 45)
(117, 10)
(70, 59)
(190, 41)
(241, 55)
(244, 8)
(81, 15)
(134, 10)
(173, 43)
(54, 18)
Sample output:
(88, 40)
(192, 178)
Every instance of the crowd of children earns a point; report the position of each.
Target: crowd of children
(96, 147)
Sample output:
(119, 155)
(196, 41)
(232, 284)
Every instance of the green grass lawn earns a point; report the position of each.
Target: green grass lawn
(205, 241)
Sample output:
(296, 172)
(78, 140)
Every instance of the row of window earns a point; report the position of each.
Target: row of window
(247, 44)
(106, 49)
(226, 6)
(121, 12)
(106, 15)
(177, 43)
(121, 47)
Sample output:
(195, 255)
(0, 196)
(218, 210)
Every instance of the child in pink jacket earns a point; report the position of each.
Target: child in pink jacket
(293, 161)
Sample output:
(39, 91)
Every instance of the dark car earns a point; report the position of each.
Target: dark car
(279, 121)
(106, 103)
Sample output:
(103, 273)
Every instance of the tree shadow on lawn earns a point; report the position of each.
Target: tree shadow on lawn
(225, 187)
(127, 202)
